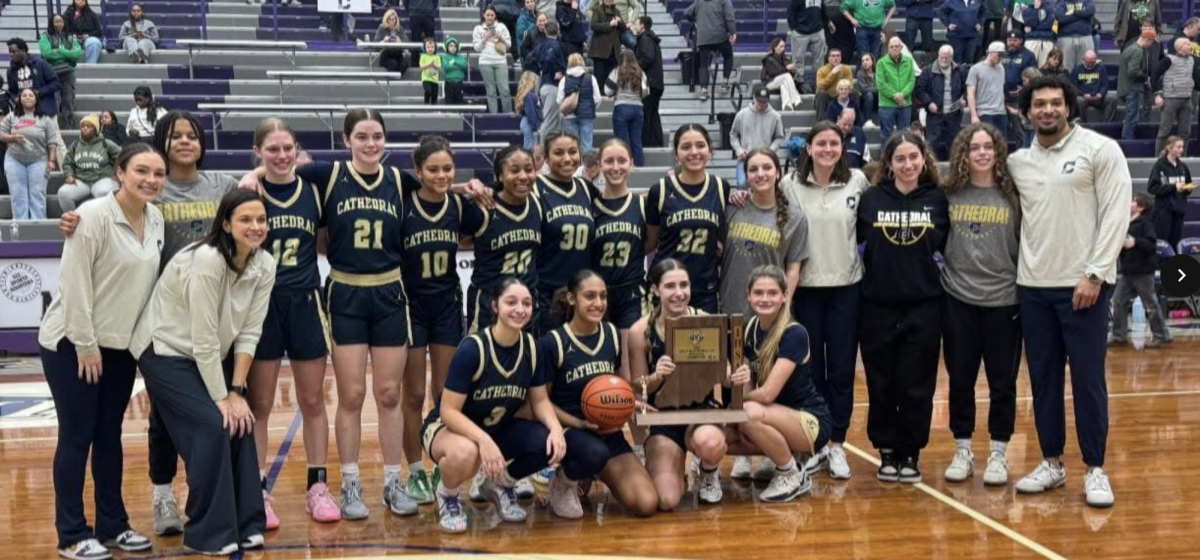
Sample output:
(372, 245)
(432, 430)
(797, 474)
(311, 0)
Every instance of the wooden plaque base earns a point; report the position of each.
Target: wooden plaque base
(684, 417)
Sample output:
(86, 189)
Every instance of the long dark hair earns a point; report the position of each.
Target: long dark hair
(355, 116)
(841, 170)
(132, 23)
(782, 206)
(37, 107)
(660, 269)
(164, 128)
(217, 236)
(929, 173)
(58, 38)
(153, 109)
(560, 307)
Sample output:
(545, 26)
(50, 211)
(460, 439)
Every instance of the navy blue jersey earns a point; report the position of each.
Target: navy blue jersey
(364, 214)
(799, 392)
(495, 379)
(692, 221)
(619, 251)
(572, 361)
(430, 232)
(567, 229)
(293, 215)
(506, 242)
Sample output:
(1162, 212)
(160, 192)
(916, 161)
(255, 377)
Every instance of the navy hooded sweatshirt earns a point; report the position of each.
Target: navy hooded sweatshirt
(902, 234)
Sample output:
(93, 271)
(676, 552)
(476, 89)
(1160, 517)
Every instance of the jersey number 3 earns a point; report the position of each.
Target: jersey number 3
(363, 234)
(495, 418)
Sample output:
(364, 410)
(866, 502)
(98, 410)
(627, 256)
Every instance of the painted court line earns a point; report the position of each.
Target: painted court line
(969, 512)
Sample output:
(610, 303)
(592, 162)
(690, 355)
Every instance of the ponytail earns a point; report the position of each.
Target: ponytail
(660, 269)
(769, 350)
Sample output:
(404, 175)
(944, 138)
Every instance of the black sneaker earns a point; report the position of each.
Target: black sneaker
(889, 468)
(910, 472)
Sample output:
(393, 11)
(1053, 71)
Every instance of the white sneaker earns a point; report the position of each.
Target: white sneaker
(870, 126)
(87, 549)
(1097, 489)
(962, 466)
(476, 491)
(252, 542)
(997, 470)
(765, 471)
(710, 487)
(742, 468)
(131, 541)
(815, 461)
(1043, 478)
(839, 468)
(787, 486)
(524, 489)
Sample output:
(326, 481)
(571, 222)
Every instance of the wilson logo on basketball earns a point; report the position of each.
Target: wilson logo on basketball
(615, 399)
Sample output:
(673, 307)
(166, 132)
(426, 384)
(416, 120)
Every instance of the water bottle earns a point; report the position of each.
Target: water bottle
(14, 231)
(1139, 314)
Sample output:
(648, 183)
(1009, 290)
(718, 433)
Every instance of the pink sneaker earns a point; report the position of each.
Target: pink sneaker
(320, 504)
(272, 519)
(564, 497)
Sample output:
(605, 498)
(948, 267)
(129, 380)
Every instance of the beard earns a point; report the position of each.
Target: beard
(1052, 129)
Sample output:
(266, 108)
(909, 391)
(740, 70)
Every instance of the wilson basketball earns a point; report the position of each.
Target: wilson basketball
(608, 402)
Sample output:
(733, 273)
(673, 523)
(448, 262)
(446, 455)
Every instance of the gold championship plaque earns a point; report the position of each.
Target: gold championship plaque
(700, 346)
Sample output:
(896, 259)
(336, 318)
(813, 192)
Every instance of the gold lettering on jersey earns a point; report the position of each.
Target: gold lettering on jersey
(366, 203)
(590, 369)
(293, 222)
(688, 214)
(499, 392)
(431, 236)
(186, 211)
(517, 236)
(977, 213)
(618, 227)
(568, 210)
(756, 233)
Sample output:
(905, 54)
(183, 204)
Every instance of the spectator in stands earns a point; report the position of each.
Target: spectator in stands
(29, 72)
(962, 20)
(777, 74)
(869, 18)
(529, 106)
(755, 126)
(840, 32)
(607, 27)
(1074, 19)
(1139, 262)
(581, 119)
(1174, 84)
(552, 64)
(526, 22)
(138, 35)
(896, 79)
(942, 92)
(1016, 60)
(807, 26)
(1018, 123)
(34, 147)
(854, 140)
(454, 70)
(1132, 75)
(1054, 65)
(1039, 29)
(1171, 184)
(84, 24)
(508, 12)
(649, 57)
(492, 43)
(532, 39)
(63, 52)
(629, 84)
(111, 128)
(88, 166)
(716, 32)
(846, 99)
(144, 115)
(1130, 15)
(1097, 28)
(828, 77)
(995, 21)
(422, 23)
(1091, 79)
(868, 94)
(985, 90)
(431, 71)
(918, 18)
(390, 32)
(572, 26)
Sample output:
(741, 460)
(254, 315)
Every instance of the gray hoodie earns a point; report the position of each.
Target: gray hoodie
(714, 21)
(756, 129)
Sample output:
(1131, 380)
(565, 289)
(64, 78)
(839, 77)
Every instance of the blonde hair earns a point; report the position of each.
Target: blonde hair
(769, 351)
(575, 60)
(845, 82)
(390, 12)
(528, 83)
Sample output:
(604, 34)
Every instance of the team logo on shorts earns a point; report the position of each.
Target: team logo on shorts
(20, 282)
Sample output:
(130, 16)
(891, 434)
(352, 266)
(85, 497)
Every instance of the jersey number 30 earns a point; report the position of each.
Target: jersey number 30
(363, 234)
(574, 237)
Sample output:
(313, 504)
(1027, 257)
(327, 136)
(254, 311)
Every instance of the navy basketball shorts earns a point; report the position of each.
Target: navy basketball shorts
(295, 325)
(586, 439)
(679, 433)
(364, 312)
(626, 304)
(437, 319)
(523, 442)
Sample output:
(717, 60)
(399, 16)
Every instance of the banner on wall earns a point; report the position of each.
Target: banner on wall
(26, 286)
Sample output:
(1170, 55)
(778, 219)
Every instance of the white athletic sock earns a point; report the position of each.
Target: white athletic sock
(349, 472)
(262, 474)
(163, 492)
(416, 467)
(999, 447)
(446, 492)
(704, 466)
(787, 467)
(962, 444)
(390, 473)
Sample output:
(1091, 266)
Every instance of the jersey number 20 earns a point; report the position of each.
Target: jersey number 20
(516, 262)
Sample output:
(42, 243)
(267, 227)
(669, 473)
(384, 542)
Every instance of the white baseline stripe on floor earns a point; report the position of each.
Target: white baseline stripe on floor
(973, 514)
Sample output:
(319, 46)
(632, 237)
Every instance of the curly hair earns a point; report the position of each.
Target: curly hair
(960, 164)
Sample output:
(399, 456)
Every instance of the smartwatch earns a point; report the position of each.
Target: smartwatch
(240, 390)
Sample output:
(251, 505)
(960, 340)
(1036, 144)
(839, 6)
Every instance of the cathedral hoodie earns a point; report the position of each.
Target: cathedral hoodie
(902, 233)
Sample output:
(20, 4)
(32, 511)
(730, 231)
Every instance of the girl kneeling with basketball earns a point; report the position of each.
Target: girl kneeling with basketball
(667, 446)
(584, 355)
(787, 414)
(493, 373)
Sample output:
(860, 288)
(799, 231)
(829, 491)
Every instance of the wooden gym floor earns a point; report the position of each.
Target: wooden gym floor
(1153, 460)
